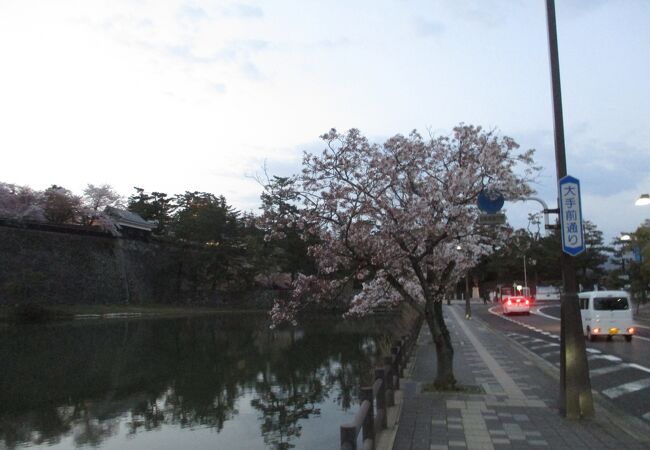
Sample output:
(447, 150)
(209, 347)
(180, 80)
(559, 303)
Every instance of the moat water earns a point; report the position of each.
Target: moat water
(211, 382)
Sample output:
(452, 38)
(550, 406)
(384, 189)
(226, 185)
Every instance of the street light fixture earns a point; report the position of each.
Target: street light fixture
(643, 200)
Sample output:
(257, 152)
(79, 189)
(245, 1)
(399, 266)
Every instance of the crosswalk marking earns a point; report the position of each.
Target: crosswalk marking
(627, 388)
(536, 344)
(548, 344)
(608, 369)
(607, 357)
(640, 367)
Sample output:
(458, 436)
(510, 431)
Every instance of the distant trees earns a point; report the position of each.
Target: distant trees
(20, 202)
(99, 197)
(57, 204)
(204, 217)
(506, 264)
(156, 206)
(635, 255)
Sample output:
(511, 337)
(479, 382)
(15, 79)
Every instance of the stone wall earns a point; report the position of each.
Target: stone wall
(59, 267)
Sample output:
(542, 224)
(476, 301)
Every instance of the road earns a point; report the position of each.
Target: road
(619, 370)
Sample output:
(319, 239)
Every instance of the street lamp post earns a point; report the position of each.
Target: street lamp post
(525, 277)
(533, 263)
(575, 386)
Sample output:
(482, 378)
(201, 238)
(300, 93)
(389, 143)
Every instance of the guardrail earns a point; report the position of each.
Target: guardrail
(372, 416)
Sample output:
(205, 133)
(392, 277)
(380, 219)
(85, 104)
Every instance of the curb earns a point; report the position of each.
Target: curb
(386, 438)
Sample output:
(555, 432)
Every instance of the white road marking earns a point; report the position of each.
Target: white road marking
(592, 352)
(627, 388)
(646, 416)
(608, 369)
(607, 357)
(640, 367)
(539, 312)
(550, 344)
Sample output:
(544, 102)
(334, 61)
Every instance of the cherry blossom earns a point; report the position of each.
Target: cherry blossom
(387, 221)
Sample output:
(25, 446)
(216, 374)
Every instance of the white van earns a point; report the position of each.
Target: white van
(606, 313)
(547, 293)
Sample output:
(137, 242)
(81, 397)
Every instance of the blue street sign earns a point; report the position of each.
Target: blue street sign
(573, 241)
(490, 202)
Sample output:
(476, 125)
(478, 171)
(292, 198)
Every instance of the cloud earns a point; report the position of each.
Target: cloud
(192, 12)
(236, 50)
(250, 71)
(579, 8)
(428, 28)
(218, 87)
(243, 10)
(331, 43)
(490, 13)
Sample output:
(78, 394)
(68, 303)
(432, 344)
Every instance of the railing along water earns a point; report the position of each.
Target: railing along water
(372, 415)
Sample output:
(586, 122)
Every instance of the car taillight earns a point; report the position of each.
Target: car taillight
(596, 330)
(631, 330)
(527, 302)
(509, 302)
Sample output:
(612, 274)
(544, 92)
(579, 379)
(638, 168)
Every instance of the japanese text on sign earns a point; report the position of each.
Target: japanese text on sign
(571, 217)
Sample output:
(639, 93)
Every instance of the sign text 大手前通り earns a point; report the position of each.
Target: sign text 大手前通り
(573, 241)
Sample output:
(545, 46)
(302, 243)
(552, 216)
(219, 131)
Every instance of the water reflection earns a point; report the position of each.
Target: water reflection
(228, 381)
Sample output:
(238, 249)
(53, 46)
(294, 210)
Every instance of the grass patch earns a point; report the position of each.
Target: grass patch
(457, 389)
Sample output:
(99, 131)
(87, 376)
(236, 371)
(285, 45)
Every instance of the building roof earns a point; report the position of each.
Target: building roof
(125, 218)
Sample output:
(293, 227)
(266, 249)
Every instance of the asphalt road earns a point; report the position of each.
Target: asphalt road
(619, 370)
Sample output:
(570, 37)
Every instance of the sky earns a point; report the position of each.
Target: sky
(175, 96)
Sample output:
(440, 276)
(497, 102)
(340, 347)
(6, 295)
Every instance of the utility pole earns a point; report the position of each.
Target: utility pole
(575, 386)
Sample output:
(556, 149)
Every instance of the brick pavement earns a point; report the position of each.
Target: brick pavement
(517, 411)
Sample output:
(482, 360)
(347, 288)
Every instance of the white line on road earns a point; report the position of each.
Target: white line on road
(646, 416)
(627, 388)
(607, 357)
(608, 369)
(640, 367)
(539, 347)
(539, 312)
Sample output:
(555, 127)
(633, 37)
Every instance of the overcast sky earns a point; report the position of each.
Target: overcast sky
(196, 95)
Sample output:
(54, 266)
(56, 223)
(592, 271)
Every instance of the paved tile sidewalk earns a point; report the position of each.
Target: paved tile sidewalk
(518, 410)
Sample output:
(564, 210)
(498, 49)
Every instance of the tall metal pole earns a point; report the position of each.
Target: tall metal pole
(575, 386)
(525, 277)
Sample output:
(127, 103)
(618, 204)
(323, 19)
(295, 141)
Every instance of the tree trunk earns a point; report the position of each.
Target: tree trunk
(445, 379)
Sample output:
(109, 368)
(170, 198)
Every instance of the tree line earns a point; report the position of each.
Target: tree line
(225, 248)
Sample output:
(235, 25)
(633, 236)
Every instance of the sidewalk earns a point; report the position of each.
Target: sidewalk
(518, 410)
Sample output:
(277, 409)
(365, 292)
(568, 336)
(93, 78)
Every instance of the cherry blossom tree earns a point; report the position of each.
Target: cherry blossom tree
(20, 202)
(397, 221)
(61, 205)
(99, 197)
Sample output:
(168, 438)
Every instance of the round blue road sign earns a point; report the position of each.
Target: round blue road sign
(490, 202)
